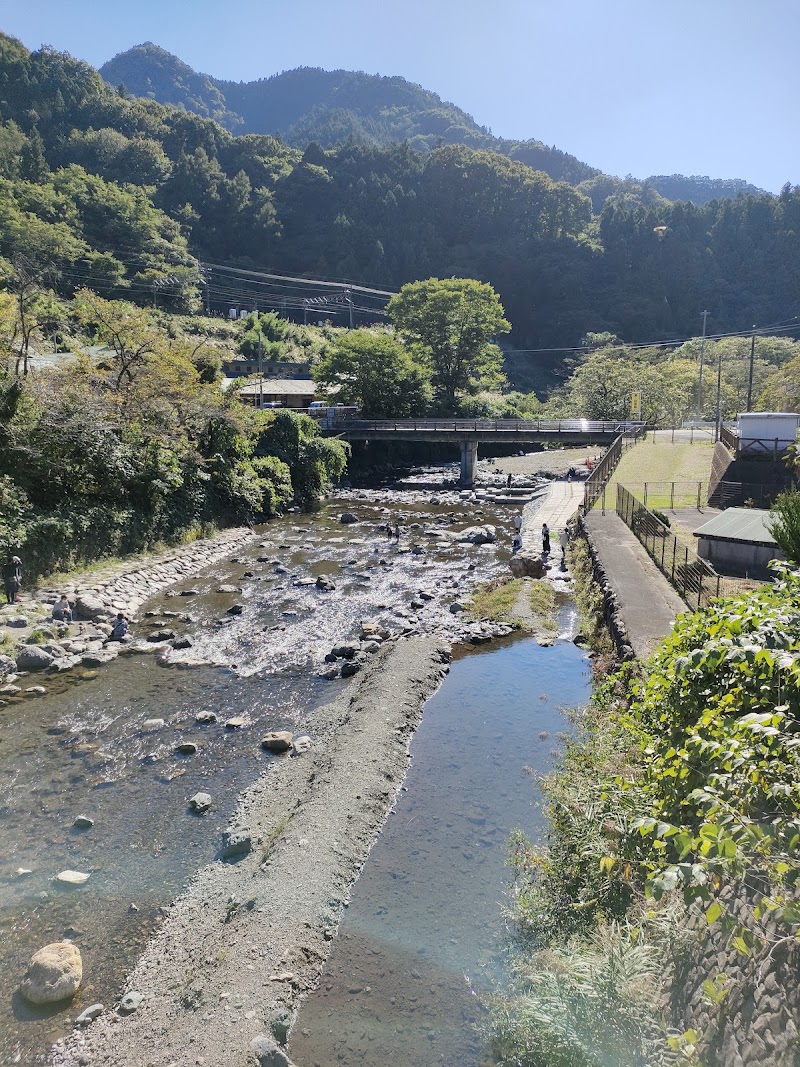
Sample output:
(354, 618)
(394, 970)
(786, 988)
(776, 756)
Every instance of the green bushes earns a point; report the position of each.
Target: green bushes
(683, 781)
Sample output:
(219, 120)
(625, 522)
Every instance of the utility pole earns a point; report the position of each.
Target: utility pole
(349, 296)
(718, 427)
(702, 358)
(260, 373)
(750, 375)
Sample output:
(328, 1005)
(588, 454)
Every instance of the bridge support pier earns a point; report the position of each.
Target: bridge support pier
(469, 463)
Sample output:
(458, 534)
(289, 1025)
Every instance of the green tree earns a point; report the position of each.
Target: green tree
(784, 524)
(450, 323)
(313, 461)
(374, 372)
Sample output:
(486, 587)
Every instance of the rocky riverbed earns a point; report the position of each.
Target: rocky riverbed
(261, 641)
(221, 981)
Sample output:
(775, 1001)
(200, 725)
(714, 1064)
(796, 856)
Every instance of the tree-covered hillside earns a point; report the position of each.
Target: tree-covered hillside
(330, 107)
(126, 195)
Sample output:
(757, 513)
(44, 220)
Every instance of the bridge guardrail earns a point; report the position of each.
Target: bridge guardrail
(527, 426)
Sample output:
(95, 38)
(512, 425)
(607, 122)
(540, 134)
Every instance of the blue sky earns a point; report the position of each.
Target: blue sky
(631, 86)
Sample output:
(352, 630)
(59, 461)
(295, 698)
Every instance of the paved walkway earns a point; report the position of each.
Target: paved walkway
(647, 603)
(556, 509)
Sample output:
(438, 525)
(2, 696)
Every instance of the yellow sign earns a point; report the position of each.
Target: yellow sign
(636, 405)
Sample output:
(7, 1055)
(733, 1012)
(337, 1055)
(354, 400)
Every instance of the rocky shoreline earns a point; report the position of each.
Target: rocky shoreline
(220, 982)
(37, 643)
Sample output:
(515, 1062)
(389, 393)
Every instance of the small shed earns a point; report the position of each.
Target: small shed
(738, 542)
(767, 433)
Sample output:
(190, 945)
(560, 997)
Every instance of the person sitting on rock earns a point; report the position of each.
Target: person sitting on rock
(516, 542)
(120, 631)
(62, 610)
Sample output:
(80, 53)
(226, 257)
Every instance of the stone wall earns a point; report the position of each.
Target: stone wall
(128, 588)
(611, 613)
(753, 1020)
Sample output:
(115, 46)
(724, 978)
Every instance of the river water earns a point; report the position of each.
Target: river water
(83, 749)
(423, 938)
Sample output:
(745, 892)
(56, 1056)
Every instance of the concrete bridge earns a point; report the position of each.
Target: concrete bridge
(469, 433)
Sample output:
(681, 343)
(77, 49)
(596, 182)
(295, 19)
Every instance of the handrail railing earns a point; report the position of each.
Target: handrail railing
(526, 426)
(692, 578)
(595, 484)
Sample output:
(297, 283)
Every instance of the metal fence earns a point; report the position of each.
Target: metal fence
(666, 496)
(694, 580)
(595, 485)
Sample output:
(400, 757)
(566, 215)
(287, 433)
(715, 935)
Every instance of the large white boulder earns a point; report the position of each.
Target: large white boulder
(54, 973)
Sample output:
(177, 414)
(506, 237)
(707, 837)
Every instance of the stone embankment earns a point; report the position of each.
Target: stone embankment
(36, 642)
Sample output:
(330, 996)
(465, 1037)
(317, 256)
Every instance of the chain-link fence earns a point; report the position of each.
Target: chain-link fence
(693, 578)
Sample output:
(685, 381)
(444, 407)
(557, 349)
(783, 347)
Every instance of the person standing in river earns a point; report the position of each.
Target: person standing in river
(397, 533)
(563, 540)
(518, 521)
(545, 539)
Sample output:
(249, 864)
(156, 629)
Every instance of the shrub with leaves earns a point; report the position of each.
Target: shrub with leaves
(719, 721)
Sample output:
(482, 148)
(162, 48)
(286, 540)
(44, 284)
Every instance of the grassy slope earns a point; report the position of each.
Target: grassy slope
(661, 463)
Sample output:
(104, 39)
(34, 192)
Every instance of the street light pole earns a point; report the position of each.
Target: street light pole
(750, 375)
(702, 358)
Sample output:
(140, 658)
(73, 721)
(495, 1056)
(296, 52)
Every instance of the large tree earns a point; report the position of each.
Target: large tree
(450, 323)
(376, 373)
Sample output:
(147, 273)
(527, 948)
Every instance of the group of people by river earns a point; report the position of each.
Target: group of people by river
(63, 610)
(516, 540)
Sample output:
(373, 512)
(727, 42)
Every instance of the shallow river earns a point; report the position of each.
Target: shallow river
(82, 748)
(423, 937)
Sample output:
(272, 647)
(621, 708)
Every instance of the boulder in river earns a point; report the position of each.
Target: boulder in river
(205, 717)
(83, 822)
(88, 606)
(236, 723)
(527, 566)
(54, 974)
(325, 584)
(33, 658)
(200, 803)
(277, 741)
(229, 589)
(478, 535)
(73, 877)
(347, 518)
(186, 748)
(349, 668)
(235, 609)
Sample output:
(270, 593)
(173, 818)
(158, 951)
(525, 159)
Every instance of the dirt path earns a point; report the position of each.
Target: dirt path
(247, 941)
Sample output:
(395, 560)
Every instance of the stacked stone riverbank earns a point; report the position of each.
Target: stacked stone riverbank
(33, 641)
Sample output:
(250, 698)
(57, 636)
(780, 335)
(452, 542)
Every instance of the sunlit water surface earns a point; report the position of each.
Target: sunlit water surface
(82, 749)
(423, 938)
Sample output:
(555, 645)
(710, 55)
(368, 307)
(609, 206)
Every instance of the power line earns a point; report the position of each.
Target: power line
(305, 281)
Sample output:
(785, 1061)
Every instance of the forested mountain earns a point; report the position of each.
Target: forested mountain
(126, 194)
(330, 107)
